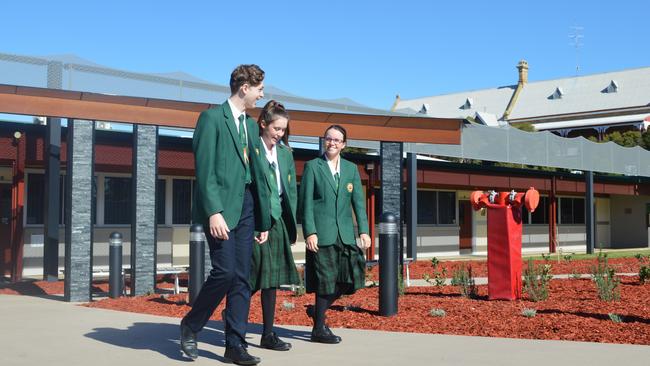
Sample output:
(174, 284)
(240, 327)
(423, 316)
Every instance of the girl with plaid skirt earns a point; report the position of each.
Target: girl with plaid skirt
(330, 189)
(272, 262)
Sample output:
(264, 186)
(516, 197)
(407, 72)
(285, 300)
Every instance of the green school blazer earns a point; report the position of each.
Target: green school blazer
(289, 186)
(220, 169)
(327, 211)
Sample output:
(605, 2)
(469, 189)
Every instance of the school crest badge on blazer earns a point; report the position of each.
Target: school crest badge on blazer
(350, 187)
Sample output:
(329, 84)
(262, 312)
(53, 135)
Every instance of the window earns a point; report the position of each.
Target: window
(427, 207)
(436, 208)
(160, 201)
(572, 210)
(117, 200)
(446, 208)
(182, 201)
(36, 199)
(540, 216)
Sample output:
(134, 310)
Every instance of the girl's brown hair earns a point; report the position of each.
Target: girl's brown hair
(272, 111)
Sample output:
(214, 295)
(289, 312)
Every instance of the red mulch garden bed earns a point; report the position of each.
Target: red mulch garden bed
(573, 310)
(479, 267)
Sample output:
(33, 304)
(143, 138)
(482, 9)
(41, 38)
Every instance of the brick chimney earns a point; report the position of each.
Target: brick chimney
(522, 66)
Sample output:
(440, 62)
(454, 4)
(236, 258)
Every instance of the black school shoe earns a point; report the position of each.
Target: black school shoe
(240, 356)
(188, 341)
(324, 335)
(273, 342)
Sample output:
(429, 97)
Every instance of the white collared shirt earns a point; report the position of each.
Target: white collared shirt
(334, 168)
(272, 157)
(236, 113)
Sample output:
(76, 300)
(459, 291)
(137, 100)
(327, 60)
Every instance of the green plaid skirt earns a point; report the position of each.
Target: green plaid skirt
(272, 264)
(337, 263)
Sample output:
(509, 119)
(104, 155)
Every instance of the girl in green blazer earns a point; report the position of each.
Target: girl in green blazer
(330, 189)
(272, 263)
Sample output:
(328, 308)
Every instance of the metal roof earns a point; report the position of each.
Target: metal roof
(584, 94)
(618, 90)
(456, 105)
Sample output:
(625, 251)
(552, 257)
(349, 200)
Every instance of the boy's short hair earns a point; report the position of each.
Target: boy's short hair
(251, 74)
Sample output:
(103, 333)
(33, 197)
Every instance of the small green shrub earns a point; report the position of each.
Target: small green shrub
(286, 305)
(463, 278)
(575, 275)
(606, 281)
(615, 317)
(529, 313)
(439, 276)
(644, 267)
(536, 280)
(644, 274)
(546, 257)
(439, 313)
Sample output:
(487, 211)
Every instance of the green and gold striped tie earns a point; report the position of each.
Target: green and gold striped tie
(244, 144)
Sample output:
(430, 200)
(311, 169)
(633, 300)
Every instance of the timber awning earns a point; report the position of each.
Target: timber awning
(170, 113)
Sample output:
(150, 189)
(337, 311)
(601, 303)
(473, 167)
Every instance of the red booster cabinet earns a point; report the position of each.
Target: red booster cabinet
(504, 238)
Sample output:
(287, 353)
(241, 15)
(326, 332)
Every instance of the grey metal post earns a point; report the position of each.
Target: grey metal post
(52, 209)
(197, 261)
(115, 265)
(321, 145)
(52, 206)
(79, 210)
(412, 206)
(589, 210)
(388, 264)
(143, 212)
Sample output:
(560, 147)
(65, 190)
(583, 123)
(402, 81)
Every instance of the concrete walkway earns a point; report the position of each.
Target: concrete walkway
(38, 331)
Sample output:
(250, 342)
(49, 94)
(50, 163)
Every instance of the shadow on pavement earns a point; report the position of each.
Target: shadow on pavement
(158, 337)
(164, 338)
(29, 288)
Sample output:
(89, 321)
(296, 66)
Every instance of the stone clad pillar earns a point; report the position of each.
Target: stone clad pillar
(143, 214)
(391, 184)
(79, 210)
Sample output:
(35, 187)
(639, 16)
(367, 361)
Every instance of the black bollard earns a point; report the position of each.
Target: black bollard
(388, 260)
(115, 265)
(197, 261)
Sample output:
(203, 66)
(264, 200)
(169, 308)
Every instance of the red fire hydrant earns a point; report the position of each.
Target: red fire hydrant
(504, 238)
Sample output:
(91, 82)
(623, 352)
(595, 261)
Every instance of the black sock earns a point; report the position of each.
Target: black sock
(268, 309)
(340, 289)
(322, 303)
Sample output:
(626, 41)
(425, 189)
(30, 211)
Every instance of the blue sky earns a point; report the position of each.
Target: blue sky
(365, 50)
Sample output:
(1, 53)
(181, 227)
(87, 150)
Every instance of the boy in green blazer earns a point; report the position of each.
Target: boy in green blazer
(330, 189)
(227, 203)
(273, 263)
